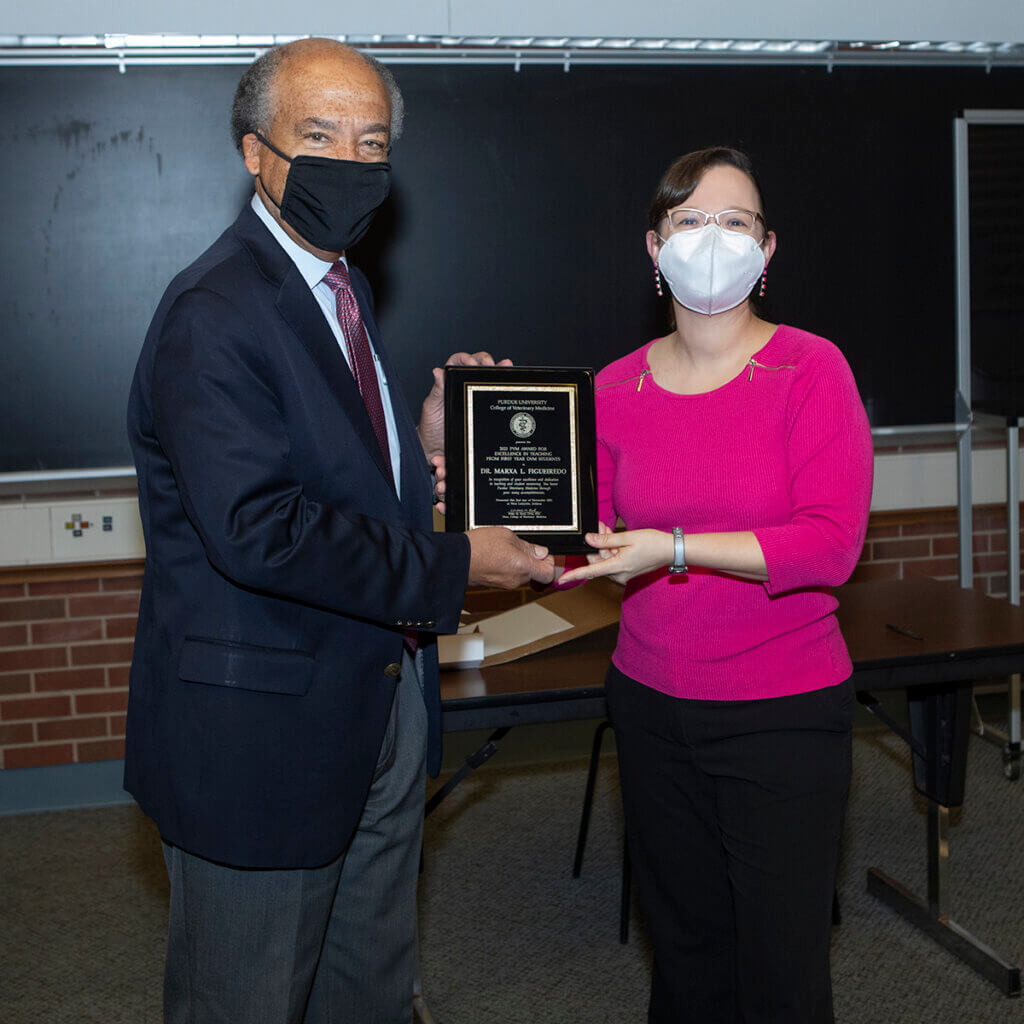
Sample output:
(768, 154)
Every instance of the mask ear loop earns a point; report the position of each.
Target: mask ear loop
(273, 149)
(287, 159)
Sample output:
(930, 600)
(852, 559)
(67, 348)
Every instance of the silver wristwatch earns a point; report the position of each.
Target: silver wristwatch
(679, 558)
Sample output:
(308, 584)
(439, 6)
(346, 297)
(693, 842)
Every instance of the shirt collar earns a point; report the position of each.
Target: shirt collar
(309, 266)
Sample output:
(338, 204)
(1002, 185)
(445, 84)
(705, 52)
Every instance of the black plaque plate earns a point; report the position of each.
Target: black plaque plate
(520, 446)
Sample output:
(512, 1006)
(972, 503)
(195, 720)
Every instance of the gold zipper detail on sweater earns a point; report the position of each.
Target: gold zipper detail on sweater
(761, 366)
(751, 363)
(625, 380)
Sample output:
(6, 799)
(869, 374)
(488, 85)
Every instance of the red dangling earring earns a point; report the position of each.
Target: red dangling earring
(764, 283)
(657, 280)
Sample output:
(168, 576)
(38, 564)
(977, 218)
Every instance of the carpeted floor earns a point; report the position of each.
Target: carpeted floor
(507, 936)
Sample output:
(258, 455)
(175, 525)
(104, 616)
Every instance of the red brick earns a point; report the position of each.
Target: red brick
(990, 563)
(27, 611)
(875, 571)
(946, 546)
(117, 724)
(989, 519)
(67, 629)
(901, 549)
(101, 750)
(116, 653)
(996, 541)
(995, 586)
(936, 527)
(104, 604)
(13, 636)
(37, 757)
(125, 627)
(983, 542)
(117, 675)
(100, 703)
(15, 684)
(12, 590)
(21, 732)
(72, 729)
(32, 657)
(64, 587)
(114, 583)
(937, 567)
(888, 530)
(71, 679)
(34, 707)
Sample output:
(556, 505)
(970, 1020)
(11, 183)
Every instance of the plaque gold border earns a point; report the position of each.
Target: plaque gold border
(469, 454)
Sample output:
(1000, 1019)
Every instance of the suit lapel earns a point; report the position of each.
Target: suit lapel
(300, 310)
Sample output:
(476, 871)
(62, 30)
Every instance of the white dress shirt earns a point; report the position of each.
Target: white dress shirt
(312, 270)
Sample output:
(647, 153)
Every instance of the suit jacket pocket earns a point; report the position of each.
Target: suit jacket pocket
(245, 666)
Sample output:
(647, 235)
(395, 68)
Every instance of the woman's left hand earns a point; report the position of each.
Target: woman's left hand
(623, 555)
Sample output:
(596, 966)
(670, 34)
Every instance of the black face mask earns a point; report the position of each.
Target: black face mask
(330, 203)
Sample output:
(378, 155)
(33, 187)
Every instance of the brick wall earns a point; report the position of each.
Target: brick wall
(901, 545)
(66, 635)
(65, 647)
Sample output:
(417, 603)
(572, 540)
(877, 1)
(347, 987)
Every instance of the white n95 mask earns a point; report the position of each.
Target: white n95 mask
(710, 270)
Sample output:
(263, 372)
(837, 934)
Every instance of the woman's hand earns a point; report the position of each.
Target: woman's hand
(623, 555)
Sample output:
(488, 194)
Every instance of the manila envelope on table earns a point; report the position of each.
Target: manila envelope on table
(546, 622)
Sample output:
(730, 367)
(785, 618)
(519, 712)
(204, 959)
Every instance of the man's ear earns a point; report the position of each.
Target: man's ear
(251, 153)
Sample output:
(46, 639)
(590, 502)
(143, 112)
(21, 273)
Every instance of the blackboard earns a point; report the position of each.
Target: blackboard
(996, 178)
(516, 222)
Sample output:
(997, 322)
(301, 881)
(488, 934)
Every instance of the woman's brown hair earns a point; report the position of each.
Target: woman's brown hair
(683, 176)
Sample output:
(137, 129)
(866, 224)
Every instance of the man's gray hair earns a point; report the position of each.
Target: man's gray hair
(253, 107)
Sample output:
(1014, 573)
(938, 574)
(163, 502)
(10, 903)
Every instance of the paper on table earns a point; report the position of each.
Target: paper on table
(463, 650)
(520, 626)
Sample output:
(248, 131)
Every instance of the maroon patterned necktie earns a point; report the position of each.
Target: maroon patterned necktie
(359, 355)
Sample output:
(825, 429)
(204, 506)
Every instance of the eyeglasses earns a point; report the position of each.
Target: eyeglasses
(743, 222)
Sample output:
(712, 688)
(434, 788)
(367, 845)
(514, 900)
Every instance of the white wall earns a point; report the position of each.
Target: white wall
(935, 20)
(989, 20)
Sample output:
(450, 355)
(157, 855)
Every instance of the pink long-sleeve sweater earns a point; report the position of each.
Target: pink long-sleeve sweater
(783, 449)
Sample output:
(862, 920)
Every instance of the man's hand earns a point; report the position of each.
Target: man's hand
(431, 427)
(440, 485)
(498, 558)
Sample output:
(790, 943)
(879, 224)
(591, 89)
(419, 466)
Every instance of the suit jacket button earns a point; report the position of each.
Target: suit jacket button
(429, 623)
(393, 669)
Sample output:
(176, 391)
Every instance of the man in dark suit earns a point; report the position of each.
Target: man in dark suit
(284, 692)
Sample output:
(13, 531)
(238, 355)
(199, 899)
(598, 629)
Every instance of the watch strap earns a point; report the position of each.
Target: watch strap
(679, 551)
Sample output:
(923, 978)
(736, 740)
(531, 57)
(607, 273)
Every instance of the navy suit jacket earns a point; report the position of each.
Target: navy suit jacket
(281, 567)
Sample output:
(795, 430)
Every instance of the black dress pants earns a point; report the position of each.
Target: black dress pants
(734, 811)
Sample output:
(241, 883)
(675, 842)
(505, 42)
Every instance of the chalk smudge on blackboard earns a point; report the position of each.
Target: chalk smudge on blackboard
(69, 132)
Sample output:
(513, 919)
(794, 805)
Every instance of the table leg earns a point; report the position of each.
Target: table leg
(588, 797)
(1012, 750)
(1009, 742)
(933, 918)
(1013, 512)
(474, 760)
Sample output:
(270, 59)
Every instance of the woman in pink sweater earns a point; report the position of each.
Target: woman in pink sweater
(738, 455)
